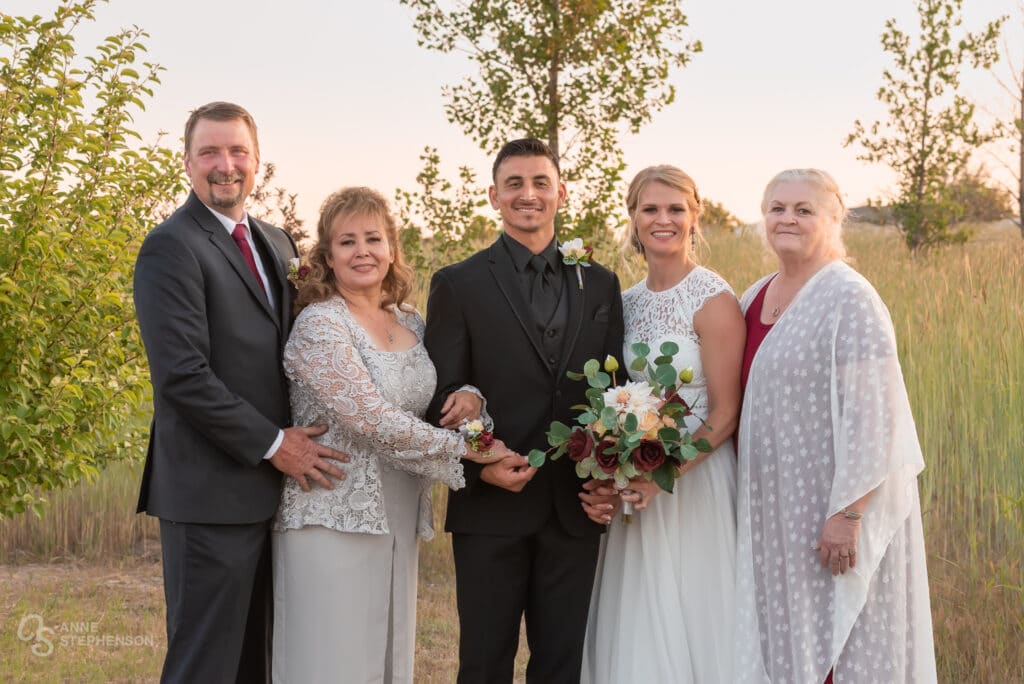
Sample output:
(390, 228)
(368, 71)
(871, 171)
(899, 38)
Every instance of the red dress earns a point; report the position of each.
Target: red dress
(756, 331)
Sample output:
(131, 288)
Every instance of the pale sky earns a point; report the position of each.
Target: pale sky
(343, 95)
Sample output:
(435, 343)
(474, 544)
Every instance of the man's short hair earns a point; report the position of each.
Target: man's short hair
(524, 147)
(220, 111)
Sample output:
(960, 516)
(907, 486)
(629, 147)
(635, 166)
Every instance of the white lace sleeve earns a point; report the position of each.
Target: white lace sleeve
(322, 359)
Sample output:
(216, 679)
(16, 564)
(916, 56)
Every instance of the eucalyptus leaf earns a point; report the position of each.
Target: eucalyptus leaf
(536, 457)
(630, 424)
(591, 367)
(669, 348)
(640, 349)
(664, 476)
(608, 418)
(665, 375)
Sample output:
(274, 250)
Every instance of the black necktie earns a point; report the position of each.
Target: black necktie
(540, 289)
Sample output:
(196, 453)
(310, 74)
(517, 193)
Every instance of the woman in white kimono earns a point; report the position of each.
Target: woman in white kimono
(662, 606)
(831, 578)
(345, 558)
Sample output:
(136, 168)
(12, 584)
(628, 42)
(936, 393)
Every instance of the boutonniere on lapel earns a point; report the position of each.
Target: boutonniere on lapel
(575, 253)
(297, 271)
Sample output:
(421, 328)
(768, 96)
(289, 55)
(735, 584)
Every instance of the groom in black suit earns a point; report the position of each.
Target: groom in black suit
(214, 309)
(511, 320)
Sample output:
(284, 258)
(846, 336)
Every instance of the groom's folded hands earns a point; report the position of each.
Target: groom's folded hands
(299, 457)
(512, 472)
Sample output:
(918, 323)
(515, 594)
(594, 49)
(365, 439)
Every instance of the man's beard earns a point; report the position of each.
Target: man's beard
(225, 203)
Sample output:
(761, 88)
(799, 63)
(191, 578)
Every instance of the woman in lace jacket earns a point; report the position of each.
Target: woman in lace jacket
(663, 598)
(831, 579)
(345, 559)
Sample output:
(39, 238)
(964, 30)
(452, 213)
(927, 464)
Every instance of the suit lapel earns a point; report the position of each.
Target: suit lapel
(223, 242)
(272, 261)
(577, 303)
(505, 276)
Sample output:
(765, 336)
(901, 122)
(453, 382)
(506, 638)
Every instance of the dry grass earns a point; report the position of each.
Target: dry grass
(959, 316)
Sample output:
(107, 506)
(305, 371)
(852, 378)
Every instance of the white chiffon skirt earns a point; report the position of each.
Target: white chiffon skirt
(345, 603)
(663, 602)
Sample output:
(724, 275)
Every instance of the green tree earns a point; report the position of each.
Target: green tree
(440, 221)
(715, 215)
(77, 194)
(979, 199)
(575, 73)
(931, 131)
(277, 206)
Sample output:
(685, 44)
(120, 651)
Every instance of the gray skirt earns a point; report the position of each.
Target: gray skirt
(345, 603)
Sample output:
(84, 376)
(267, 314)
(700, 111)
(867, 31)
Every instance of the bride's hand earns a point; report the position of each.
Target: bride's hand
(640, 493)
(600, 500)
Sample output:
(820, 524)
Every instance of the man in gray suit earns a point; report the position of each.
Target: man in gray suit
(214, 308)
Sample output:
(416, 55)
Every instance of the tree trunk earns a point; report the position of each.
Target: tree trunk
(1020, 169)
(553, 68)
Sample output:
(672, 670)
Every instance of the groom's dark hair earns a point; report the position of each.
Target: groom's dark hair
(524, 147)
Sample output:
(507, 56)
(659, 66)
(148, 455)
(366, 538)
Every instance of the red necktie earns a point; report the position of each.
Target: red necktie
(243, 245)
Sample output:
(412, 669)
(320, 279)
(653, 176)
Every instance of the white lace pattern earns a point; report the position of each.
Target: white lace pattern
(372, 402)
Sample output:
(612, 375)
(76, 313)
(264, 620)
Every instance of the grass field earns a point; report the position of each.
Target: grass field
(91, 565)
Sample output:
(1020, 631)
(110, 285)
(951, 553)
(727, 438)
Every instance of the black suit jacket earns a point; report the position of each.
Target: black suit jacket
(214, 346)
(480, 332)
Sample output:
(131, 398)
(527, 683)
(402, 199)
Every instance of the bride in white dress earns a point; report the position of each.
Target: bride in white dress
(662, 607)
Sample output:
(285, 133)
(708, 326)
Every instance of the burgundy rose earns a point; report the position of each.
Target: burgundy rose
(649, 455)
(484, 442)
(580, 445)
(303, 272)
(606, 461)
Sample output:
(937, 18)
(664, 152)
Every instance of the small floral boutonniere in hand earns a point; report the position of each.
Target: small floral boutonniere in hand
(478, 439)
(297, 271)
(575, 253)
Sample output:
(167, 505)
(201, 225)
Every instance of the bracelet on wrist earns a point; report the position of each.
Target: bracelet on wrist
(850, 514)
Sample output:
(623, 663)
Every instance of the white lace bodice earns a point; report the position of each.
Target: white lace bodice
(655, 317)
(372, 402)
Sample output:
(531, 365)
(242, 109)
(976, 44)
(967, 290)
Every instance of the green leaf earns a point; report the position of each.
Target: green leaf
(663, 360)
(665, 476)
(703, 445)
(667, 435)
(572, 375)
(600, 380)
(687, 452)
(631, 423)
(641, 349)
(639, 364)
(536, 458)
(608, 418)
(560, 451)
(587, 417)
(669, 349)
(665, 375)
(558, 432)
(591, 367)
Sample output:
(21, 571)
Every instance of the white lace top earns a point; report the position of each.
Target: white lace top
(372, 402)
(655, 317)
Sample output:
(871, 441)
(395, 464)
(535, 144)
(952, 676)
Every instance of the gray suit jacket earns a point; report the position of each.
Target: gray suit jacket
(214, 346)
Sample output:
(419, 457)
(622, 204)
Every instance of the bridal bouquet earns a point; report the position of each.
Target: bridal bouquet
(631, 430)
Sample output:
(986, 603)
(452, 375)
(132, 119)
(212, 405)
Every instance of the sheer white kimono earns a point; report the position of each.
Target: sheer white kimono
(826, 420)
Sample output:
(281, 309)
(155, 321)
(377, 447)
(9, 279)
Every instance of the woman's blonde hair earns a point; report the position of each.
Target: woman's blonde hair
(319, 285)
(673, 177)
(829, 189)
